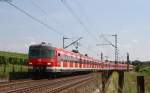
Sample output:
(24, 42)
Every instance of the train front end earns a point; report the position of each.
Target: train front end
(41, 57)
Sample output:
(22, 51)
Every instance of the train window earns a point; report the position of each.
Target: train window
(70, 59)
(65, 58)
(73, 59)
(41, 52)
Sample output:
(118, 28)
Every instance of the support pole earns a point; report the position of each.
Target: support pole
(120, 81)
(63, 42)
(103, 82)
(128, 61)
(101, 56)
(140, 84)
(116, 49)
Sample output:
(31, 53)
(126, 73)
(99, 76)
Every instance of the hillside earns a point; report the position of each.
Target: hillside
(13, 54)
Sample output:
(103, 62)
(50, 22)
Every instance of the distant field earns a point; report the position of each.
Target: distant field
(13, 54)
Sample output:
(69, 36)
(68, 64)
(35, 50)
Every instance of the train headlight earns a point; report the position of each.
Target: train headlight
(30, 63)
(48, 63)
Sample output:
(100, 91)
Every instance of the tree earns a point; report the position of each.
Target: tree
(136, 62)
(1, 62)
(4, 62)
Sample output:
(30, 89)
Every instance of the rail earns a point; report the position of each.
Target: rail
(51, 84)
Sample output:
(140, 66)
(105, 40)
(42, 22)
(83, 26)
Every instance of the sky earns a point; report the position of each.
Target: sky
(90, 19)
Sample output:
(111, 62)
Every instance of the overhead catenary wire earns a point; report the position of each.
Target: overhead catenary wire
(108, 41)
(45, 13)
(79, 20)
(114, 45)
(36, 5)
(35, 19)
(81, 23)
(82, 11)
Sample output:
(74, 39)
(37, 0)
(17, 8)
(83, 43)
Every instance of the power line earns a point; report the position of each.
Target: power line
(78, 19)
(36, 5)
(45, 13)
(35, 19)
(82, 11)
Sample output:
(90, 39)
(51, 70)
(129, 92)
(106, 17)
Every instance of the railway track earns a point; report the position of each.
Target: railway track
(69, 85)
(11, 81)
(53, 85)
(14, 82)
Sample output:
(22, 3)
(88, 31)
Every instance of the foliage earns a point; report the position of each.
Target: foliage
(145, 70)
(141, 63)
(12, 58)
(137, 68)
(12, 62)
(9, 68)
(142, 67)
(136, 62)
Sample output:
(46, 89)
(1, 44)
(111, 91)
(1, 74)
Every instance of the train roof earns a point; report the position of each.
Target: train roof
(49, 46)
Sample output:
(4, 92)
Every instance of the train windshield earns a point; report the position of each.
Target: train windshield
(41, 52)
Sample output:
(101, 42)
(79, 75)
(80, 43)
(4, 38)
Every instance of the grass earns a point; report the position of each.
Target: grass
(130, 84)
(112, 88)
(147, 84)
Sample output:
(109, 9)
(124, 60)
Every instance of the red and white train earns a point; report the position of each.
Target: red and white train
(45, 58)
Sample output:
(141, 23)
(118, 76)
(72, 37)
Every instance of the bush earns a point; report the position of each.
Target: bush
(137, 68)
(145, 70)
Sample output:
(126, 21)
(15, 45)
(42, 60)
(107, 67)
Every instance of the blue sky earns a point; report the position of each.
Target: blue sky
(130, 19)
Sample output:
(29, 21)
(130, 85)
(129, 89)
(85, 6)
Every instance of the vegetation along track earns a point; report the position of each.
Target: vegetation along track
(42, 85)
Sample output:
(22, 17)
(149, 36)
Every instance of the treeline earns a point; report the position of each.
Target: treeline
(142, 63)
(13, 60)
